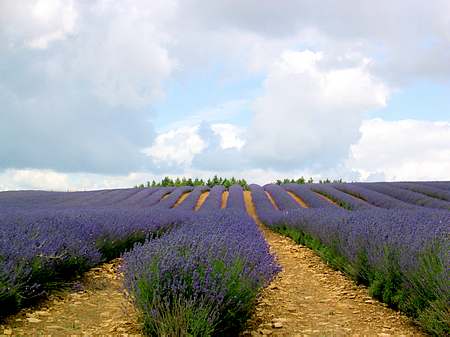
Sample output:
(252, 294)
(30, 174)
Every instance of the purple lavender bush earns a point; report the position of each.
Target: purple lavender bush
(374, 198)
(344, 200)
(236, 198)
(214, 200)
(39, 248)
(264, 208)
(312, 199)
(428, 190)
(191, 201)
(202, 278)
(407, 195)
(281, 197)
(173, 197)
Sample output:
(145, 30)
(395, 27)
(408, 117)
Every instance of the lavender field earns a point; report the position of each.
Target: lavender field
(207, 260)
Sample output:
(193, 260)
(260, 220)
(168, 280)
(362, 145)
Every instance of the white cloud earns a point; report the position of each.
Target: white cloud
(311, 110)
(32, 179)
(58, 16)
(176, 147)
(402, 150)
(36, 24)
(231, 136)
(79, 79)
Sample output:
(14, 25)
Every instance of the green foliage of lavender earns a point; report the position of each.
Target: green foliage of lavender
(202, 278)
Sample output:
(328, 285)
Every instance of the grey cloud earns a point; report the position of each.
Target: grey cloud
(83, 104)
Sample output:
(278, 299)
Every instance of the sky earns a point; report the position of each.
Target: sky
(105, 94)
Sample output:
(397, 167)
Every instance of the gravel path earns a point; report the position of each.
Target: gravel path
(95, 306)
(309, 298)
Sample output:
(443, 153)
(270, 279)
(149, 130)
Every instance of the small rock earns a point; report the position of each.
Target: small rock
(42, 313)
(265, 332)
(277, 325)
(280, 319)
(33, 320)
(54, 327)
(7, 332)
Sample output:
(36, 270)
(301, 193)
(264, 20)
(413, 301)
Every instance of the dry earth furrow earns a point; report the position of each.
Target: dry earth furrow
(224, 199)
(297, 199)
(201, 200)
(309, 298)
(182, 198)
(96, 306)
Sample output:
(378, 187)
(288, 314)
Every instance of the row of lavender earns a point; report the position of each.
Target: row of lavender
(161, 198)
(393, 237)
(218, 258)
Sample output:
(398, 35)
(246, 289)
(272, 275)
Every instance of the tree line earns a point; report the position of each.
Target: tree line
(216, 180)
(226, 182)
(303, 180)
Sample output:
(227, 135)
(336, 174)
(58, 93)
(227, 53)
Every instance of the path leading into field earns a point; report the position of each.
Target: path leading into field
(94, 306)
(309, 298)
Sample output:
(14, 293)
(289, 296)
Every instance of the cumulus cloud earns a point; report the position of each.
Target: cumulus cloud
(176, 147)
(36, 24)
(310, 112)
(78, 80)
(402, 150)
(80, 102)
(231, 136)
(33, 179)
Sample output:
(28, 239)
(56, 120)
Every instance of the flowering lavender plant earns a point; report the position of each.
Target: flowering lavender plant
(312, 199)
(202, 278)
(191, 201)
(373, 197)
(342, 199)
(283, 200)
(214, 200)
(236, 198)
(407, 195)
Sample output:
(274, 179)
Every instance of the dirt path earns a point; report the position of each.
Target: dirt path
(95, 306)
(308, 298)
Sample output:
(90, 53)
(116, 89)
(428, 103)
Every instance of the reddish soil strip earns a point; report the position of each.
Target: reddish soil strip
(274, 204)
(297, 199)
(98, 307)
(224, 199)
(308, 298)
(181, 199)
(201, 200)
